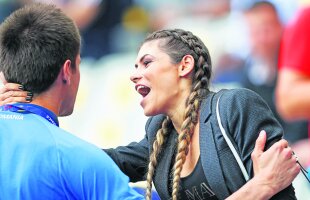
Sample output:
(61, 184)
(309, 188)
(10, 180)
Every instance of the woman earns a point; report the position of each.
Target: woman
(183, 152)
(184, 145)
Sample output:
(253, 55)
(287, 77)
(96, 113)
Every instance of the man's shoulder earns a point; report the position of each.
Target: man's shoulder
(68, 143)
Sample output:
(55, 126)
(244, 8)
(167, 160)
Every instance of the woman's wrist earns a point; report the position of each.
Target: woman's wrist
(255, 188)
(262, 188)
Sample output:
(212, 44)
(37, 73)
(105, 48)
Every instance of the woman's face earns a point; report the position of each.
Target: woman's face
(156, 79)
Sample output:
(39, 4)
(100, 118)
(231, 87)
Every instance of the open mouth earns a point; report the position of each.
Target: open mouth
(143, 90)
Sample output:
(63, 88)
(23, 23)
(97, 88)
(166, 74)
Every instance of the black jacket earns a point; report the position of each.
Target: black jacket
(243, 114)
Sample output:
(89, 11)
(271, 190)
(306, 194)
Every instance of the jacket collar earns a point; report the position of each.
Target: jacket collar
(208, 150)
(205, 107)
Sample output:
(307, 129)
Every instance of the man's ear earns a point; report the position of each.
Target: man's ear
(66, 72)
(186, 65)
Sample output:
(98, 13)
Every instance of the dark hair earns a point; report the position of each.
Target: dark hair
(35, 41)
(177, 43)
(258, 4)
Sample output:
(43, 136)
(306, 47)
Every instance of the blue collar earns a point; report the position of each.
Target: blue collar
(32, 108)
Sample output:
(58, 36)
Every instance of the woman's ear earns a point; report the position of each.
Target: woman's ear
(186, 66)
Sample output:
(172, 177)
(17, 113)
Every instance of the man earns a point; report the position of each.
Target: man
(294, 70)
(260, 69)
(293, 85)
(40, 49)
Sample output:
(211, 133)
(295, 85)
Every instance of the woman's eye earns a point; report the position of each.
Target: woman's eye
(146, 63)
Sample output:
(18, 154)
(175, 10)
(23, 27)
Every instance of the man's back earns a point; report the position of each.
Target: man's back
(41, 161)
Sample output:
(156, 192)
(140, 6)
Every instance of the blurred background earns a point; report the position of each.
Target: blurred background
(243, 38)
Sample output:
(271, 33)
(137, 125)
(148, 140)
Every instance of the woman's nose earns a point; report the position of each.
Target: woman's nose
(135, 76)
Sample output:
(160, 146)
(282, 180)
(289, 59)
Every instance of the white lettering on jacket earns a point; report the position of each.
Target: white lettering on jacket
(11, 117)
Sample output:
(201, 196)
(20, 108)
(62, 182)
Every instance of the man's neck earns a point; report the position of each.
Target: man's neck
(47, 101)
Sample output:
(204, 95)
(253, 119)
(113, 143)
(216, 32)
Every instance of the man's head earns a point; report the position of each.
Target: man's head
(265, 29)
(38, 45)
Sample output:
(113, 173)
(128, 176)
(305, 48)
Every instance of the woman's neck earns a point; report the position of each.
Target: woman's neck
(177, 111)
(177, 121)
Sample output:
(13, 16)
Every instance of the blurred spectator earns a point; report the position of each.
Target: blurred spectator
(7, 7)
(219, 27)
(293, 86)
(99, 21)
(81, 11)
(285, 9)
(260, 70)
(99, 35)
(228, 72)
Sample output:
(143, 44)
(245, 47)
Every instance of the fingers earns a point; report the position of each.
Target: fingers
(258, 150)
(288, 154)
(12, 93)
(287, 157)
(281, 148)
(293, 168)
(11, 87)
(11, 100)
(2, 79)
(260, 143)
(296, 169)
(283, 143)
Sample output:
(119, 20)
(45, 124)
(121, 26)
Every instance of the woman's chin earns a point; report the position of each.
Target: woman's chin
(149, 113)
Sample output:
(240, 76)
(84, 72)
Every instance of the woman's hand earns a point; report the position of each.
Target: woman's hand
(12, 93)
(275, 168)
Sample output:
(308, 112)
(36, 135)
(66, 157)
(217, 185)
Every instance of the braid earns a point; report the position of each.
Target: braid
(157, 144)
(189, 45)
(187, 129)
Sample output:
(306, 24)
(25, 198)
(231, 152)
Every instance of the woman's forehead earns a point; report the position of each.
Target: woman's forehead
(150, 47)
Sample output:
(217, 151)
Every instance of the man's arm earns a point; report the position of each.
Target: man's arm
(292, 98)
(89, 173)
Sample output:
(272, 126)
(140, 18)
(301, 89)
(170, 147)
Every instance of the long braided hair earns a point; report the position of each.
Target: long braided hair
(177, 43)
